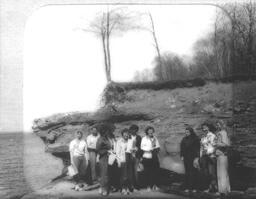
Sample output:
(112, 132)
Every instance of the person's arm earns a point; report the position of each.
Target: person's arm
(71, 152)
(200, 148)
(86, 153)
(118, 152)
(224, 140)
(197, 147)
(88, 141)
(182, 149)
(157, 147)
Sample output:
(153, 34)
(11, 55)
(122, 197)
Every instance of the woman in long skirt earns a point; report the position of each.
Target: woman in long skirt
(223, 143)
(150, 147)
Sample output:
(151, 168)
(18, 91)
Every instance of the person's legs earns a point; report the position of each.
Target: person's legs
(76, 165)
(114, 176)
(92, 156)
(212, 166)
(147, 170)
(124, 177)
(186, 179)
(130, 171)
(155, 172)
(222, 174)
(103, 163)
(152, 173)
(136, 176)
(204, 164)
(82, 167)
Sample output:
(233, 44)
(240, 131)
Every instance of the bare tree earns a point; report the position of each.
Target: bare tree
(108, 23)
(153, 32)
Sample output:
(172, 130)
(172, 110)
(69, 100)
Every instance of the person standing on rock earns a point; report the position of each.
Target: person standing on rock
(91, 143)
(79, 156)
(150, 147)
(189, 151)
(104, 148)
(133, 156)
(208, 157)
(223, 143)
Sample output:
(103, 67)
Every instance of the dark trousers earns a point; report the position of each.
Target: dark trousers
(124, 181)
(209, 168)
(104, 176)
(191, 174)
(114, 175)
(92, 160)
(132, 164)
(151, 171)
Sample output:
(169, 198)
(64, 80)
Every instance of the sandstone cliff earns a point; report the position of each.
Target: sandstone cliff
(168, 107)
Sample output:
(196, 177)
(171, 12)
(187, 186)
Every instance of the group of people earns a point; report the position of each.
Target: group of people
(206, 159)
(119, 160)
(116, 162)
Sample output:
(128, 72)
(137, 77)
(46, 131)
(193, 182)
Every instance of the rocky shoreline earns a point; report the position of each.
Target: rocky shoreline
(168, 110)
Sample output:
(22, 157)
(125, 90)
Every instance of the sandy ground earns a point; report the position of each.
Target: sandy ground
(63, 190)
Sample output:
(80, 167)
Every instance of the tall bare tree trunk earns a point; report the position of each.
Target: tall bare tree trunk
(250, 10)
(107, 47)
(157, 47)
(105, 57)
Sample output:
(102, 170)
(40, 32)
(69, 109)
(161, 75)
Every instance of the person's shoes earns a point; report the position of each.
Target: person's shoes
(113, 190)
(207, 191)
(131, 189)
(100, 190)
(104, 193)
(156, 188)
(123, 192)
(149, 189)
(194, 191)
(217, 193)
(186, 191)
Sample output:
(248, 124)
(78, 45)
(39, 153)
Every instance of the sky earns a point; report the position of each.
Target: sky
(64, 66)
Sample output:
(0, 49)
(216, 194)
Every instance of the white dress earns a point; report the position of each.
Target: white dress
(222, 163)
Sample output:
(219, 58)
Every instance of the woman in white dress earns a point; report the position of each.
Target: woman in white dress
(223, 143)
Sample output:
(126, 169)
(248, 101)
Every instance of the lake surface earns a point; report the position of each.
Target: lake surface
(24, 166)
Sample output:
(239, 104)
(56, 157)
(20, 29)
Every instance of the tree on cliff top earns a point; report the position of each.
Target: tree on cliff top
(109, 23)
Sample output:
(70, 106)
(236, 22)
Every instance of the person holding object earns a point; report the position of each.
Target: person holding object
(121, 148)
(223, 143)
(150, 147)
(133, 156)
(189, 152)
(91, 144)
(79, 156)
(208, 157)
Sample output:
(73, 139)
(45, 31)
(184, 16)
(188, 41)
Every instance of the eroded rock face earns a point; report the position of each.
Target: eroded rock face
(168, 111)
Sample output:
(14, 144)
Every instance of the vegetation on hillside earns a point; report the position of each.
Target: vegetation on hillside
(229, 49)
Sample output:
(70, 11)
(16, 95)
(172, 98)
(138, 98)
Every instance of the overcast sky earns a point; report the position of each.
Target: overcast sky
(64, 66)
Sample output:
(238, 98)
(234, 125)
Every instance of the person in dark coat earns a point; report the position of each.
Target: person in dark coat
(133, 156)
(189, 151)
(103, 147)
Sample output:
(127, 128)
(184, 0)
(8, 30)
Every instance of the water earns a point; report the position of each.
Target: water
(24, 166)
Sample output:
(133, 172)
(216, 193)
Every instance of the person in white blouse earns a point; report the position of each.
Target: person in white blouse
(121, 148)
(79, 155)
(150, 147)
(91, 144)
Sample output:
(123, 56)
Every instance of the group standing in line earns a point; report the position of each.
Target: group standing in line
(208, 156)
(119, 161)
